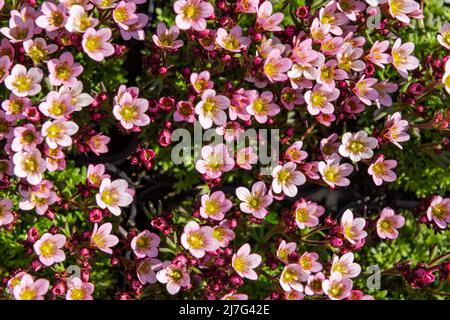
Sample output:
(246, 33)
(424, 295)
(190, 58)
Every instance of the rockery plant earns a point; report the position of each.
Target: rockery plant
(98, 199)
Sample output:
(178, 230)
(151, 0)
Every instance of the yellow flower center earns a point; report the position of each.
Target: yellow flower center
(306, 263)
(93, 43)
(22, 83)
(331, 174)
(336, 290)
(47, 248)
(259, 106)
(109, 197)
(209, 106)
(28, 294)
(142, 243)
(56, 19)
(57, 108)
(195, 240)
(53, 131)
(212, 207)
(379, 169)
(63, 71)
(239, 264)
(175, 274)
(98, 240)
(301, 215)
(30, 164)
(270, 69)
(219, 233)
(37, 53)
(356, 146)
(284, 176)
(289, 276)
(231, 43)
(254, 202)
(128, 112)
(318, 99)
(120, 14)
(190, 11)
(386, 225)
(439, 211)
(77, 294)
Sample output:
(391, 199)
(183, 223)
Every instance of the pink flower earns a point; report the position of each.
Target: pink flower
(79, 99)
(286, 179)
(381, 171)
(57, 106)
(330, 72)
(28, 289)
(59, 132)
(146, 270)
(444, 35)
(354, 105)
(99, 143)
(145, 244)
(284, 250)
(102, 238)
(192, 14)
(352, 229)
(96, 45)
(308, 262)
(38, 197)
(215, 161)
(29, 165)
(307, 214)
(314, 285)
(136, 30)
(256, 201)
(364, 90)
(79, 290)
(402, 59)
(396, 129)
(53, 16)
(131, 111)
(48, 248)
(210, 109)
(201, 81)
(291, 97)
(5, 64)
(345, 266)
(23, 82)
(388, 223)
(357, 146)
(266, 20)
(19, 29)
(215, 206)
(275, 67)
(333, 173)
(14, 107)
(55, 158)
(38, 50)
(26, 138)
(337, 287)
(295, 153)
(198, 240)
(245, 158)
(348, 58)
(247, 6)
(184, 112)
(262, 107)
(384, 88)
(333, 46)
(400, 9)
(232, 41)
(319, 100)
(231, 131)
(243, 262)
(173, 276)
(64, 70)
(124, 14)
(329, 145)
(439, 211)
(328, 15)
(167, 38)
(95, 174)
(377, 53)
(113, 195)
(359, 295)
(6, 217)
(79, 19)
(223, 233)
(292, 277)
